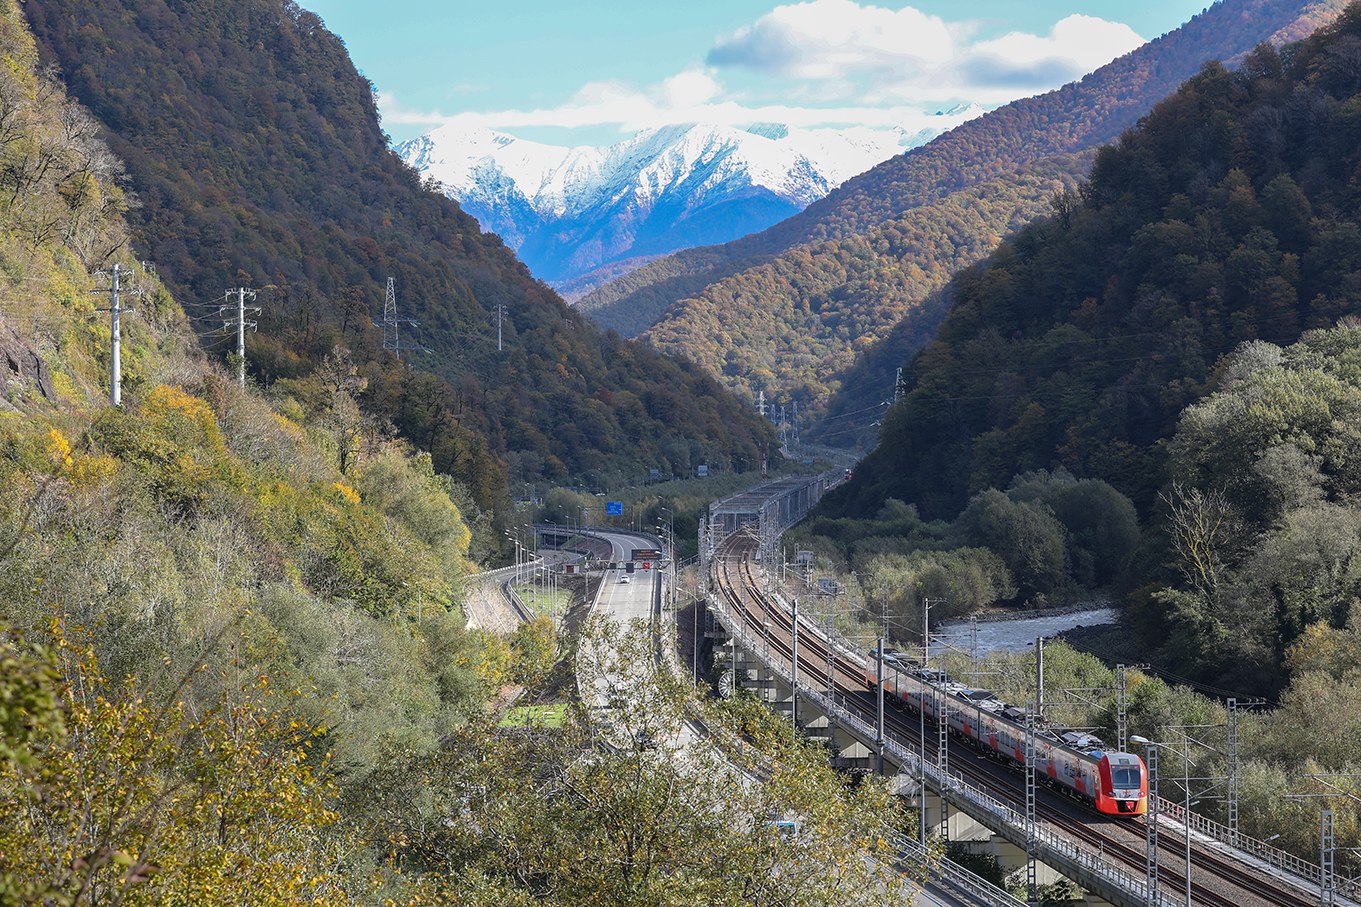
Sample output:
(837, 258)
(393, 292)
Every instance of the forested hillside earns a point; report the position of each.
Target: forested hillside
(207, 625)
(259, 160)
(233, 667)
(1227, 216)
(876, 248)
(759, 333)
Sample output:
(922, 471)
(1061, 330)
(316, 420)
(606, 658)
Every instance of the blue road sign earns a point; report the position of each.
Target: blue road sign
(614, 508)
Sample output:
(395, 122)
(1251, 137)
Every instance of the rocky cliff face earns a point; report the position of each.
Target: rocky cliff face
(23, 371)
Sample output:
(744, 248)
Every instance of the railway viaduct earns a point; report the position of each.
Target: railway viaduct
(823, 688)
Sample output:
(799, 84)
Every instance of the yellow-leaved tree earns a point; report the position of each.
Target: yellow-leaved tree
(114, 797)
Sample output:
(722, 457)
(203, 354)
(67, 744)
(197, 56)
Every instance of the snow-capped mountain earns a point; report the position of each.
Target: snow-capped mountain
(571, 210)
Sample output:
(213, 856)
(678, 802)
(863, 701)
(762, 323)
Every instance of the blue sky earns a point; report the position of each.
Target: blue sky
(593, 72)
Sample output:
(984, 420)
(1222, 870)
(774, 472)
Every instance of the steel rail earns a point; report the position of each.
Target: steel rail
(817, 648)
(1052, 846)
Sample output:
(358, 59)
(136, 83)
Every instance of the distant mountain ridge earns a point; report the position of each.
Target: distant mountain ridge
(259, 161)
(876, 248)
(569, 211)
(1228, 216)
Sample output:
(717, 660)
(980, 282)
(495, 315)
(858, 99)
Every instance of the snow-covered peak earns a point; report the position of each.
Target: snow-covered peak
(594, 205)
(800, 165)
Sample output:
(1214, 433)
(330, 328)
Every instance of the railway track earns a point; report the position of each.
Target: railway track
(1216, 880)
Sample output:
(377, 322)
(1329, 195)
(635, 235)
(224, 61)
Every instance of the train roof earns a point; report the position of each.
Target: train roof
(1081, 742)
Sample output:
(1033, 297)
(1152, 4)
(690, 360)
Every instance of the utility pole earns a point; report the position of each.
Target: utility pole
(500, 313)
(241, 336)
(115, 343)
(241, 294)
(943, 759)
(921, 760)
(694, 631)
(921, 715)
(1325, 860)
(1151, 826)
(879, 696)
(1039, 677)
(1121, 715)
(1231, 707)
(1031, 843)
(973, 651)
(926, 628)
(116, 311)
(794, 686)
(1186, 813)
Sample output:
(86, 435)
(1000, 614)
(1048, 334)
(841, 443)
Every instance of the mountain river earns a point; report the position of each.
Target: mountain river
(1015, 634)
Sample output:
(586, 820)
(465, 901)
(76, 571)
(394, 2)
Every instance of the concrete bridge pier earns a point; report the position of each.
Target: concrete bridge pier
(850, 752)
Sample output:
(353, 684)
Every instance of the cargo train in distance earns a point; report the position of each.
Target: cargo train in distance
(1072, 761)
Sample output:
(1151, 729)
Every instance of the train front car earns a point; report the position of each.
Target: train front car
(1124, 785)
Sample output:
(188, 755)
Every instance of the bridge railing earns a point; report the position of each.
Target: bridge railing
(1274, 857)
(1050, 845)
(951, 875)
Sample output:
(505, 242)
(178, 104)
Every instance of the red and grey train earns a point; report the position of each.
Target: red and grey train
(1077, 762)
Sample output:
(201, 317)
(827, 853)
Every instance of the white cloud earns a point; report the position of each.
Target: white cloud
(825, 39)
(883, 53)
(828, 63)
(689, 88)
(616, 104)
(1075, 46)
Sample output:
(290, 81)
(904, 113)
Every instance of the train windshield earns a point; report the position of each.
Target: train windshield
(1124, 777)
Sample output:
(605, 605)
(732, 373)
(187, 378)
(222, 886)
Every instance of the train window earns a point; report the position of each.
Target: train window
(1124, 777)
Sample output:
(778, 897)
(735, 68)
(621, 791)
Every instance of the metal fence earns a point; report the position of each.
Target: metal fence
(1058, 846)
(1052, 847)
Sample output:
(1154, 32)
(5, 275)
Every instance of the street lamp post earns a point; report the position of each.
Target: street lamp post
(510, 536)
(1186, 809)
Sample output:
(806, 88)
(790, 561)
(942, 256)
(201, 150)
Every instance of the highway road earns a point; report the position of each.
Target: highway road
(635, 600)
(629, 600)
(626, 597)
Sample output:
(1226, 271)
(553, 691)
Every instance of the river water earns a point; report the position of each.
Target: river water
(1014, 635)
